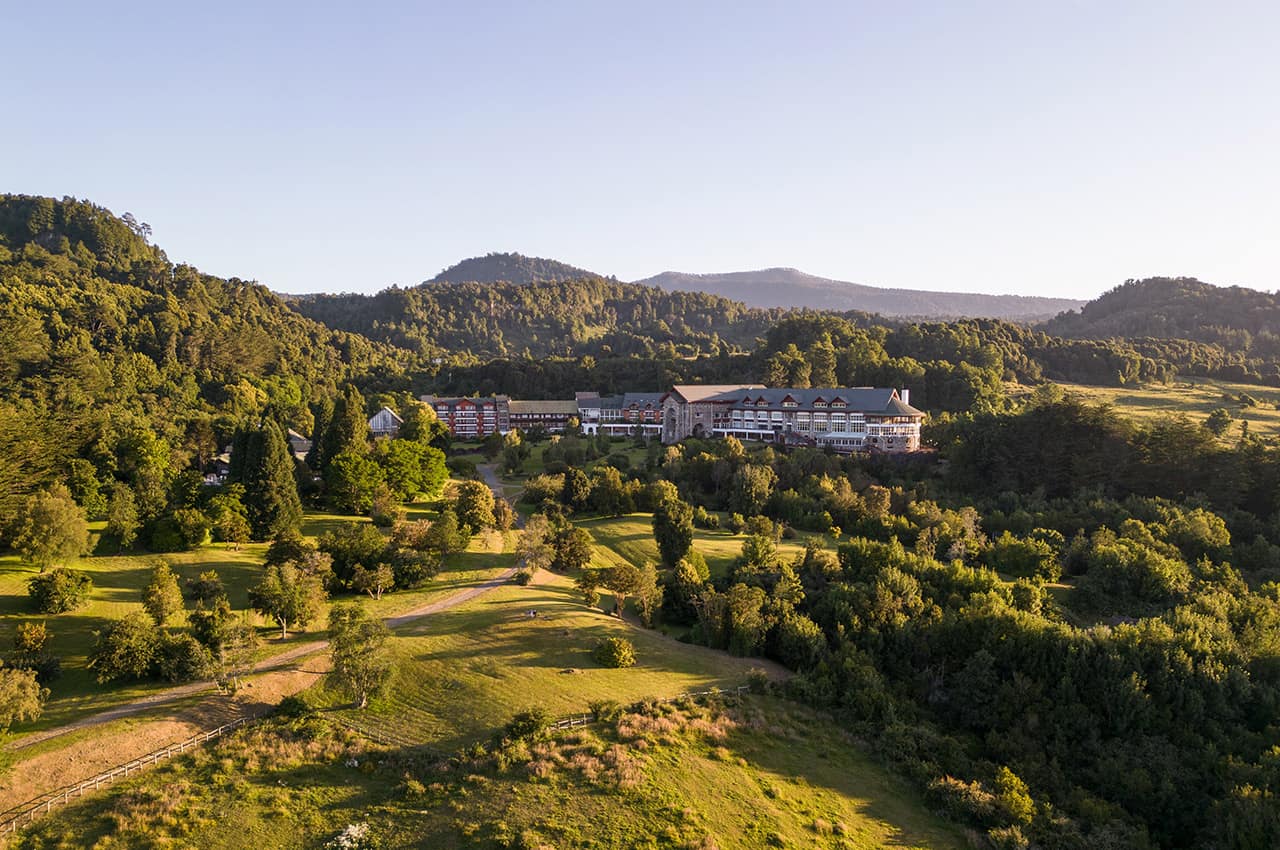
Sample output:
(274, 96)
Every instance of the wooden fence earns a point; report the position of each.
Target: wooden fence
(19, 816)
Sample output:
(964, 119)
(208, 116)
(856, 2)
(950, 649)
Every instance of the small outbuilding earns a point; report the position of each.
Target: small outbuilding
(385, 423)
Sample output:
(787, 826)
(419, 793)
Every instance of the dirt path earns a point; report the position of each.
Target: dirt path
(273, 679)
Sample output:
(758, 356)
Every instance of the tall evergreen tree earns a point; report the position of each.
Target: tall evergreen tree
(322, 413)
(673, 530)
(347, 428)
(822, 360)
(270, 489)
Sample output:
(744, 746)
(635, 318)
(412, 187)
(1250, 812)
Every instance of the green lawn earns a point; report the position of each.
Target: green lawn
(462, 672)
(1195, 397)
(763, 774)
(118, 582)
(630, 538)
(758, 773)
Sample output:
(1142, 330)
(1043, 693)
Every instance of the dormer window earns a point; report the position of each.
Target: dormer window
(839, 403)
(820, 403)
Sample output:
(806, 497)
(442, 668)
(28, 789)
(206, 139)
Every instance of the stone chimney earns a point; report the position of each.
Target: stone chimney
(905, 395)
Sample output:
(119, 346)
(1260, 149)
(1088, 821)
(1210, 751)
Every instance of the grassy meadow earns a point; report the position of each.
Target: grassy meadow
(463, 672)
(1194, 397)
(118, 582)
(630, 538)
(750, 773)
(755, 772)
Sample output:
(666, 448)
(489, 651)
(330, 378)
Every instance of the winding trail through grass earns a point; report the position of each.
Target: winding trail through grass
(272, 679)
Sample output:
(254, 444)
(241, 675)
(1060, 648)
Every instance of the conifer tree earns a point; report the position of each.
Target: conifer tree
(347, 428)
(270, 490)
(322, 413)
(822, 360)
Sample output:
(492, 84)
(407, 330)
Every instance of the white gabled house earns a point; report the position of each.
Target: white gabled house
(385, 423)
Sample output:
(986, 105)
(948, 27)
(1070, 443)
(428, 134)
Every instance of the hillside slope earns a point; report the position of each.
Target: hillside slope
(786, 287)
(771, 288)
(542, 317)
(140, 362)
(1176, 308)
(510, 268)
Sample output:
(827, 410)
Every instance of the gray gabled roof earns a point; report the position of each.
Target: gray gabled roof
(641, 399)
(557, 407)
(609, 402)
(866, 399)
(898, 407)
(706, 392)
(394, 417)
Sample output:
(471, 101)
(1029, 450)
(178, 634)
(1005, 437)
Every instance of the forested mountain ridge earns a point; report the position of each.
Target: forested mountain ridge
(1065, 634)
(774, 288)
(143, 365)
(561, 317)
(1179, 308)
(1229, 332)
(787, 287)
(510, 268)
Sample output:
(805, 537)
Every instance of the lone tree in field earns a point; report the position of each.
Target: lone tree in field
(51, 529)
(571, 548)
(126, 649)
(649, 594)
(374, 581)
(289, 596)
(475, 505)
(162, 598)
(357, 645)
(615, 652)
(21, 697)
(1219, 421)
(29, 639)
(233, 659)
(60, 590)
(673, 530)
(588, 584)
(515, 451)
(533, 547)
(270, 490)
(624, 580)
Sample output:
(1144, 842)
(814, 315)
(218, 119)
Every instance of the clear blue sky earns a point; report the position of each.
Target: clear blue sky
(1049, 148)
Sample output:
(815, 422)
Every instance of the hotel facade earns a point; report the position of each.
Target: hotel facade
(843, 419)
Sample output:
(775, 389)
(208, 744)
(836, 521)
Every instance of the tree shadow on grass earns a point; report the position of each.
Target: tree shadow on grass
(826, 758)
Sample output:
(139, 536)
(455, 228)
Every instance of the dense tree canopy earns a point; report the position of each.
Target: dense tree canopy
(1061, 624)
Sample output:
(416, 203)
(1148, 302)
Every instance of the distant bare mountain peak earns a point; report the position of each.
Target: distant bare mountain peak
(783, 286)
(777, 286)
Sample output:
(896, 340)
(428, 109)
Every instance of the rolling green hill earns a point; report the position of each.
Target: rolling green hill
(539, 317)
(510, 268)
(754, 772)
